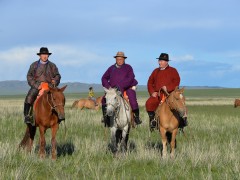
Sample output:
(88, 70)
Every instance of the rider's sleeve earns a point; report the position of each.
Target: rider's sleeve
(174, 81)
(106, 78)
(31, 77)
(151, 82)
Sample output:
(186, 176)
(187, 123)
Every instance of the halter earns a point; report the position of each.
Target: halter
(172, 101)
(53, 107)
(117, 108)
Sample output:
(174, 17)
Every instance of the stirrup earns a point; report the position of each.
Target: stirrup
(29, 120)
(137, 121)
(153, 124)
(102, 119)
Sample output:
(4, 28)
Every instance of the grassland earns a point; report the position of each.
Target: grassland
(210, 149)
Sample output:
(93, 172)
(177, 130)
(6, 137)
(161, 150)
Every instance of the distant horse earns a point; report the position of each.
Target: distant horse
(119, 111)
(169, 115)
(87, 103)
(48, 112)
(237, 103)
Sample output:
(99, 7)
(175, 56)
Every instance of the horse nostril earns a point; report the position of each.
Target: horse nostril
(61, 116)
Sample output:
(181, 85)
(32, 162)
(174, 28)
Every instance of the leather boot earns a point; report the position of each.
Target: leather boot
(152, 121)
(105, 118)
(136, 116)
(27, 113)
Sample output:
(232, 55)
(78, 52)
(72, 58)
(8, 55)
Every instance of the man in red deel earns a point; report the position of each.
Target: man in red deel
(164, 78)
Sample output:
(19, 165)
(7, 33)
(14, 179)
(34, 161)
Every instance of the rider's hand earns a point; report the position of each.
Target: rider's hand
(154, 94)
(164, 88)
(53, 82)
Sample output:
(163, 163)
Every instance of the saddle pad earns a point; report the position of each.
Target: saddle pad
(43, 87)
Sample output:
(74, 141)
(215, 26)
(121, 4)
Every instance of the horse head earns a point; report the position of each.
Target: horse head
(176, 101)
(111, 100)
(57, 101)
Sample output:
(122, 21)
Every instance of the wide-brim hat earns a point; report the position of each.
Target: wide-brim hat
(163, 56)
(44, 50)
(120, 54)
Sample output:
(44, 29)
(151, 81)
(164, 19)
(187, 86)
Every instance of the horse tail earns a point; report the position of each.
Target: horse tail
(74, 104)
(29, 134)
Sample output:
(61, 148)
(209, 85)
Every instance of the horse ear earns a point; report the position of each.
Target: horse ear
(176, 88)
(119, 93)
(182, 90)
(63, 88)
(105, 89)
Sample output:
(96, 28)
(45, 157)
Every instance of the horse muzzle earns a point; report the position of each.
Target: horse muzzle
(61, 116)
(182, 112)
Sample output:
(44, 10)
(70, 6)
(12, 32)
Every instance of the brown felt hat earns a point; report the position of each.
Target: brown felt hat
(120, 54)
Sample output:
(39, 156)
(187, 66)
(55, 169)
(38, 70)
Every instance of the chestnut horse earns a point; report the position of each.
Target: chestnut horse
(48, 112)
(169, 113)
(236, 103)
(87, 103)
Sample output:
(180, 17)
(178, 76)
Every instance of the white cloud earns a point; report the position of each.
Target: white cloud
(183, 58)
(18, 55)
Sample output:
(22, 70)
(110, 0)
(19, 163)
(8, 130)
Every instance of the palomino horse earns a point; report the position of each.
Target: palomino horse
(236, 103)
(119, 111)
(169, 114)
(88, 103)
(48, 112)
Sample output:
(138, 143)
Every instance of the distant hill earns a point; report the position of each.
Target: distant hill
(21, 87)
(15, 87)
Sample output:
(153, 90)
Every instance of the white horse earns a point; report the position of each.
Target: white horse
(119, 111)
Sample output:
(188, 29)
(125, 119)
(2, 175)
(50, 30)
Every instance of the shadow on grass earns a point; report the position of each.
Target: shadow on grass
(131, 147)
(154, 145)
(63, 149)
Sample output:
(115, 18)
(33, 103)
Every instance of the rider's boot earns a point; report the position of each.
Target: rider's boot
(136, 116)
(105, 118)
(27, 113)
(152, 121)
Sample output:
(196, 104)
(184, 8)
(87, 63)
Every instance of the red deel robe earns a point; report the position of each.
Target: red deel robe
(168, 77)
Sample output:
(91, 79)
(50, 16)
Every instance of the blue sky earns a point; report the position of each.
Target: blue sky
(202, 38)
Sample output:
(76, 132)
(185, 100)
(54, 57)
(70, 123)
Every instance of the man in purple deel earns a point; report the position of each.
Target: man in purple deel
(120, 75)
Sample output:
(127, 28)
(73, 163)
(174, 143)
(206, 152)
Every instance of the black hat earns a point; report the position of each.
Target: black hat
(163, 56)
(44, 50)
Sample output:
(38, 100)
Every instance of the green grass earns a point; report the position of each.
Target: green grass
(210, 149)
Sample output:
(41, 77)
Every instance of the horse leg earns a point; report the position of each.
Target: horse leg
(164, 142)
(173, 143)
(124, 140)
(53, 141)
(113, 140)
(42, 142)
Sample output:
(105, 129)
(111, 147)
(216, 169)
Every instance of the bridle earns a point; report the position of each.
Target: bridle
(53, 105)
(117, 108)
(170, 100)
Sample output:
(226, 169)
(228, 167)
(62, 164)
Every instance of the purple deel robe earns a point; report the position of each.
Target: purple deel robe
(122, 77)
